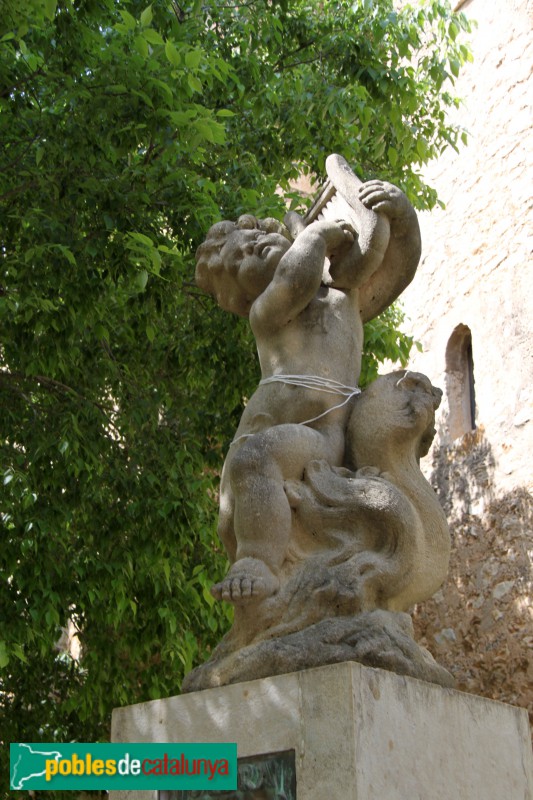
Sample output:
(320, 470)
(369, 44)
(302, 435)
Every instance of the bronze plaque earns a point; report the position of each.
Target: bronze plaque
(265, 777)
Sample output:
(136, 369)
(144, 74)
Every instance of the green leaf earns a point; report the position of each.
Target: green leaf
(194, 83)
(421, 147)
(142, 280)
(155, 258)
(455, 66)
(182, 117)
(50, 7)
(18, 652)
(193, 58)
(4, 656)
(142, 46)
(142, 238)
(153, 36)
(453, 31)
(69, 255)
(128, 20)
(211, 130)
(146, 16)
(101, 332)
(172, 54)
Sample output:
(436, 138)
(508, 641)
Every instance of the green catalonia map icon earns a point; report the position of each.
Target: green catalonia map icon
(28, 765)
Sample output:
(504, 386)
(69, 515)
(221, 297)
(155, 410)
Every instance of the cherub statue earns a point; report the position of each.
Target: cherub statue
(306, 299)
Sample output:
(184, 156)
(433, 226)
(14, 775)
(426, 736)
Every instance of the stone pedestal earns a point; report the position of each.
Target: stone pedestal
(358, 734)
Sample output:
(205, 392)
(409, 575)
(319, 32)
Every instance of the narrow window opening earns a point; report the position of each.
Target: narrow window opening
(471, 391)
(460, 388)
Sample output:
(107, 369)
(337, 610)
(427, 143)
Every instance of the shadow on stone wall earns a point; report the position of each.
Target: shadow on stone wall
(479, 625)
(462, 474)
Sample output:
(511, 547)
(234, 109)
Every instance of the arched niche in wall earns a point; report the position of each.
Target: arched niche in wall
(460, 382)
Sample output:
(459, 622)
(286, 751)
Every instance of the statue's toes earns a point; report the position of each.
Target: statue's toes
(236, 589)
(227, 591)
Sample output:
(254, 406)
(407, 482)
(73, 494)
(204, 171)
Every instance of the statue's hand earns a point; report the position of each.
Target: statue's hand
(385, 198)
(295, 223)
(338, 236)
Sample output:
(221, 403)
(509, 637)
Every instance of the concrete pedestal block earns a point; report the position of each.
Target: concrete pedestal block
(358, 734)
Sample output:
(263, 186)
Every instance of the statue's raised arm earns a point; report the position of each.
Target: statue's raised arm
(388, 235)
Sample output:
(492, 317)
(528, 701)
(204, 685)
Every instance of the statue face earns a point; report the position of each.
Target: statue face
(396, 408)
(256, 254)
(421, 397)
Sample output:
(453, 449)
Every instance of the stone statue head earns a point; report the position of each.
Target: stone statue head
(396, 410)
(238, 259)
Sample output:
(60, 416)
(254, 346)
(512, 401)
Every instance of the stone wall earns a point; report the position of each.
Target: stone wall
(471, 306)
(479, 625)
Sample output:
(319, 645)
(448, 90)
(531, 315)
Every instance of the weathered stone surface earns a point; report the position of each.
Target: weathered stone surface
(375, 638)
(476, 271)
(487, 602)
(357, 734)
(476, 266)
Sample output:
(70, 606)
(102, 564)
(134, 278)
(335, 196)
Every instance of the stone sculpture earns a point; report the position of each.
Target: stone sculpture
(331, 530)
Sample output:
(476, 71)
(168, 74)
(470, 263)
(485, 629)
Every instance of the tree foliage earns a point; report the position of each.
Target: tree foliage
(127, 130)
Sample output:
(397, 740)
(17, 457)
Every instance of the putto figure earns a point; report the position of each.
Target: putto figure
(306, 298)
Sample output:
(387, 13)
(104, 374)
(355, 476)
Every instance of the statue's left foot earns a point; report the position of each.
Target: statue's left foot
(248, 579)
